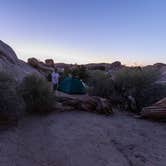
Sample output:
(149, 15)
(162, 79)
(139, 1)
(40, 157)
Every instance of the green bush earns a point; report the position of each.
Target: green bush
(100, 84)
(37, 94)
(81, 72)
(139, 84)
(130, 88)
(11, 104)
(134, 79)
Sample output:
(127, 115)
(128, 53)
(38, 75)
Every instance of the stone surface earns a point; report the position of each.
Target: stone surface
(85, 103)
(156, 111)
(11, 64)
(49, 62)
(161, 67)
(40, 66)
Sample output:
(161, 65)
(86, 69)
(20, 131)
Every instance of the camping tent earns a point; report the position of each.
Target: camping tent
(72, 86)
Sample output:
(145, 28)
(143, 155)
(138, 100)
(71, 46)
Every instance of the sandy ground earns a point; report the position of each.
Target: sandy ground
(84, 139)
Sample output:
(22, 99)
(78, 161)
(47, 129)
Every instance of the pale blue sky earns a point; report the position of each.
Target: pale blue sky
(83, 31)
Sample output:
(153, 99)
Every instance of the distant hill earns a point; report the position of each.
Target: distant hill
(62, 65)
(93, 66)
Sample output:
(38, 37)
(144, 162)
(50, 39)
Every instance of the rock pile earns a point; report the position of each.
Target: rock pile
(86, 103)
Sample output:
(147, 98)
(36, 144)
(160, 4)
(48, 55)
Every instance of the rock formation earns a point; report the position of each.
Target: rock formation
(83, 103)
(40, 66)
(156, 111)
(11, 64)
(49, 63)
(161, 67)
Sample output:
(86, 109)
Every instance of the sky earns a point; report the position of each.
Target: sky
(86, 31)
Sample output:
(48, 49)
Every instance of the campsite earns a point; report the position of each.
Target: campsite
(83, 122)
(83, 83)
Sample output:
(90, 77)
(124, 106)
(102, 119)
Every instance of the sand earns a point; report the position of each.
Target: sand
(84, 139)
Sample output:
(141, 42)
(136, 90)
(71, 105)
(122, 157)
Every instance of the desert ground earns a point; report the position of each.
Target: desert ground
(84, 139)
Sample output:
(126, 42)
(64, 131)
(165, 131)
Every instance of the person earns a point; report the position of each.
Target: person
(55, 79)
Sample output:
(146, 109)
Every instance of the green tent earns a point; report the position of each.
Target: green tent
(72, 86)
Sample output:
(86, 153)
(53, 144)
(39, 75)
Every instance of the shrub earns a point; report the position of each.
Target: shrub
(137, 83)
(80, 72)
(37, 94)
(100, 84)
(130, 88)
(11, 104)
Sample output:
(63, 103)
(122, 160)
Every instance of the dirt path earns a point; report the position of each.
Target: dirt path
(83, 139)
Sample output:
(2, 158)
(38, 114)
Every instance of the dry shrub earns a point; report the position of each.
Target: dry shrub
(37, 94)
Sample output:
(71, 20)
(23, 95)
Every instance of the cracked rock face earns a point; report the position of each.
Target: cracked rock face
(11, 64)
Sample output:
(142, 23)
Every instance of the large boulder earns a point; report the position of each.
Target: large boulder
(33, 62)
(10, 64)
(156, 111)
(163, 75)
(115, 65)
(161, 68)
(84, 103)
(40, 66)
(49, 62)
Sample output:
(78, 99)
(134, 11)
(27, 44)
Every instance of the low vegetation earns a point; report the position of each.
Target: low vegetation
(137, 83)
(11, 104)
(100, 84)
(81, 72)
(78, 71)
(131, 88)
(37, 94)
(134, 87)
(33, 95)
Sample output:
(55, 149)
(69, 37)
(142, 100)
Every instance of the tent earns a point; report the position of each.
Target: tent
(72, 86)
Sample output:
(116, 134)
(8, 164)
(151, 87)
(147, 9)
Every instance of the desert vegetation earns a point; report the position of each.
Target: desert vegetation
(11, 104)
(33, 94)
(126, 88)
(100, 84)
(134, 88)
(131, 88)
(37, 94)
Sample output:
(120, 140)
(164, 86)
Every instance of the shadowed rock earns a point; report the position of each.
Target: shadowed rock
(9, 63)
(156, 111)
(49, 62)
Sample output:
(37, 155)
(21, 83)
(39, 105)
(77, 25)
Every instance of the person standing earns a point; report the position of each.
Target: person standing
(55, 79)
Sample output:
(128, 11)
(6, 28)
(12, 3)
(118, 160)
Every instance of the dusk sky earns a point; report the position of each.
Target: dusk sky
(85, 31)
